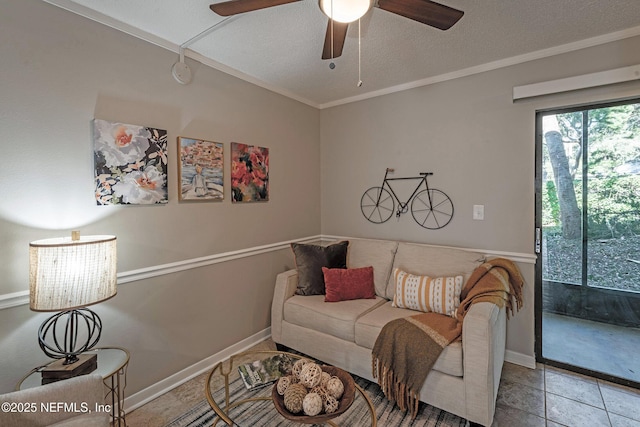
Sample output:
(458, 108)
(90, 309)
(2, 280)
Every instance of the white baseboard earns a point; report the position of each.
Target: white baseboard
(148, 394)
(520, 359)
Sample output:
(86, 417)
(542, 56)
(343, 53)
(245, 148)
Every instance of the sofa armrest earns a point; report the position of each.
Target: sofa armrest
(286, 284)
(483, 347)
(81, 395)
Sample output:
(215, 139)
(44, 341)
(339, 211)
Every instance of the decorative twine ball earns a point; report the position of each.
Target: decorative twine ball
(321, 391)
(283, 383)
(330, 404)
(312, 404)
(311, 375)
(325, 377)
(293, 397)
(297, 367)
(335, 387)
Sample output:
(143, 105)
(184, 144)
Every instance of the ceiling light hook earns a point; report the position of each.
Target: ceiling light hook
(180, 70)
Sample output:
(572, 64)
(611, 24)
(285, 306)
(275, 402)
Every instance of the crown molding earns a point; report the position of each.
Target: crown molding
(495, 65)
(103, 19)
(490, 66)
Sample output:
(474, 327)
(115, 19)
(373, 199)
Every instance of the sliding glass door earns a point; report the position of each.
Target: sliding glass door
(588, 237)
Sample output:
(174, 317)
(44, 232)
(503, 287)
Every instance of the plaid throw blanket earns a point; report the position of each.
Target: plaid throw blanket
(406, 349)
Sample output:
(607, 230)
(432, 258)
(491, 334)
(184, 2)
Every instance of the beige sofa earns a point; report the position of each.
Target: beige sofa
(464, 380)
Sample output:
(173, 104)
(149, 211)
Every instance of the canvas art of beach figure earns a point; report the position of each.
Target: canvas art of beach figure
(130, 164)
(201, 169)
(249, 173)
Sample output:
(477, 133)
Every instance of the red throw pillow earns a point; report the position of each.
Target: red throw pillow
(343, 284)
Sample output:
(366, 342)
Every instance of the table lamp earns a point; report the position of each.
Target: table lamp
(67, 274)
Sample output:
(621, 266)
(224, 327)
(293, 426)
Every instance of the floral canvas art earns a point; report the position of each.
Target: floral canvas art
(249, 173)
(130, 164)
(201, 169)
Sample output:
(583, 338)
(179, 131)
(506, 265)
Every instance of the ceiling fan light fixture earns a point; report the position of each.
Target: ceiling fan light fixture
(345, 10)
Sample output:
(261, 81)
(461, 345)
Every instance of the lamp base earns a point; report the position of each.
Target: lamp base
(57, 371)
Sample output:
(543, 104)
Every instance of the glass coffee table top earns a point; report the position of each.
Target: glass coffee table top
(234, 405)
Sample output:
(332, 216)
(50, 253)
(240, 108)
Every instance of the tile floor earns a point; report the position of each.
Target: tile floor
(167, 407)
(552, 397)
(541, 397)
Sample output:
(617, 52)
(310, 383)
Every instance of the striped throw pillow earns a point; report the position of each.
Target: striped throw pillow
(428, 294)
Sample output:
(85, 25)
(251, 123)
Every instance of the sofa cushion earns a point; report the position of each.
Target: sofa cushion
(336, 318)
(376, 253)
(309, 261)
(434, 261)
(427, 294)
(342, 284)
(369, 326)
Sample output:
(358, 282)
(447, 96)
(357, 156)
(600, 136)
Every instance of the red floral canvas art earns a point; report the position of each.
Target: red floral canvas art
(249, 173)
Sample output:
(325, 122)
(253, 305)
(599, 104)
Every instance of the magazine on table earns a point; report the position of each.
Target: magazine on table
(263, 372)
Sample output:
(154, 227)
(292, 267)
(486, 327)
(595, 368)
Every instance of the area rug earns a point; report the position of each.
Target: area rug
(263, 414)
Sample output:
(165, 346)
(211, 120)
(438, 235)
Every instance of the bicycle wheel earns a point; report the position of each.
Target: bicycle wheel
(432, 209)
(377, 205)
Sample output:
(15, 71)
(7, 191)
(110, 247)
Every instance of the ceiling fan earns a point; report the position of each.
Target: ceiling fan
(425, 11)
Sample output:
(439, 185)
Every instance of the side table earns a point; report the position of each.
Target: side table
(112, 366)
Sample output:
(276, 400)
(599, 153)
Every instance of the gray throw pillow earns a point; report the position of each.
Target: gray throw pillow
(309, 261)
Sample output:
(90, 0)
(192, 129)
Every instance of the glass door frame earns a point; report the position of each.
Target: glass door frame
(538, 233)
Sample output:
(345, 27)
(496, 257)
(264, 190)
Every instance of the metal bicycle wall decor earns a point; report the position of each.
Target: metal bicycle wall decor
(430, 208)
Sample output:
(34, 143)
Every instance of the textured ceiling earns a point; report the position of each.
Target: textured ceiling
(279, 48)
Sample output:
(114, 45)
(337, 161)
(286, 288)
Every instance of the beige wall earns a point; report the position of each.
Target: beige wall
(59, 71)
(477, 141)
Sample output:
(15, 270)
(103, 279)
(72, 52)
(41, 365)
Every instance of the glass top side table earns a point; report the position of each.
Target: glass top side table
(112, 366)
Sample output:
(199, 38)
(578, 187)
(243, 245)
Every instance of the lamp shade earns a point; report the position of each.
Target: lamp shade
(65, 273)
(345, 10)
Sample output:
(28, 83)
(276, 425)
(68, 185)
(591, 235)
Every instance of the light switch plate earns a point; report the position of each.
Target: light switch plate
(478, 212)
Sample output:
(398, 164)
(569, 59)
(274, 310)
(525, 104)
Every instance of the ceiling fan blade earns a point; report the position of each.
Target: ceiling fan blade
(234, 7)
(434, 14)
(339, 34)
